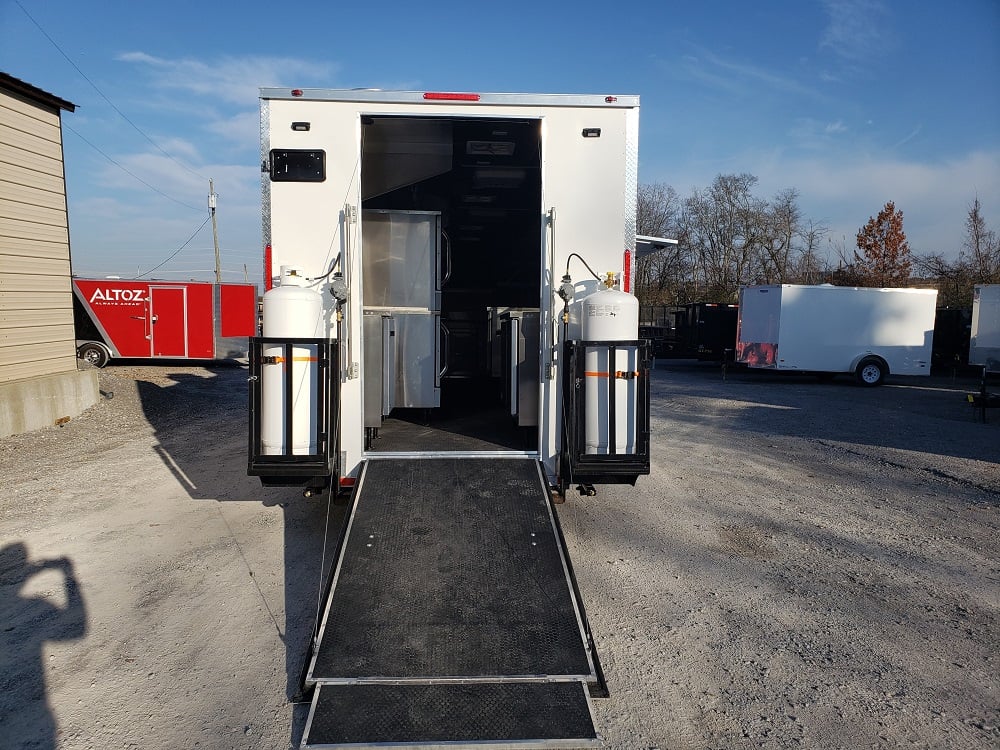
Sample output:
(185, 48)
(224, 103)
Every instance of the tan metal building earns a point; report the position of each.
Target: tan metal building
(40, 383)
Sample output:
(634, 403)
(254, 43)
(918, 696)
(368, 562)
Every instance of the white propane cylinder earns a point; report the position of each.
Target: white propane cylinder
(611, 315)
(290, 311)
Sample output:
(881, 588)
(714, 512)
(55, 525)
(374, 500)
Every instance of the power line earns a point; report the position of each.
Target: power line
(103, 96)
(126, 171)
(177, 251)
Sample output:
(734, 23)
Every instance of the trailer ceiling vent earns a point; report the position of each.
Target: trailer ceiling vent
(497, 178)
(489, 148)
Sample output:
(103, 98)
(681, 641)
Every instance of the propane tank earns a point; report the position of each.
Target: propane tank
(291, 311)
(611, 315)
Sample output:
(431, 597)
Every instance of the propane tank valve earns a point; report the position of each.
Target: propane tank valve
(338, 288)
(566, 290)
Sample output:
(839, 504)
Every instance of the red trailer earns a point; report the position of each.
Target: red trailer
(162, 319)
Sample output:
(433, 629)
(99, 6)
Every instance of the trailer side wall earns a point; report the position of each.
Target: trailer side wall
(984, 345)
(829, 329)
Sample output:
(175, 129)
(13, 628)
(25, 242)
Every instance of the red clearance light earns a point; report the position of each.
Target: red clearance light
(347, 481)
(610, 99)
(450, 97)
(296, 92)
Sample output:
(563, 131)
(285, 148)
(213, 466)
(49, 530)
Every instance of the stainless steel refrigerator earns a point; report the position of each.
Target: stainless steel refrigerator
(403, 272)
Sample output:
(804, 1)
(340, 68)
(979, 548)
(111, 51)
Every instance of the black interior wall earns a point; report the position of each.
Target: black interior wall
(490, 203)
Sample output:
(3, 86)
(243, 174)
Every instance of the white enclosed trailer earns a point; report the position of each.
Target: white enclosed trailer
(448, 331)
(984, 344)
(829, 329)
(445, 222)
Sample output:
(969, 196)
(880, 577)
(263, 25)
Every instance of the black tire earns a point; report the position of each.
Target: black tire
(95, 354)
(871, 371)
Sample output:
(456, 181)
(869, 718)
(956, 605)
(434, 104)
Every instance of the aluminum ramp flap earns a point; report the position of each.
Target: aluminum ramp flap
(452, 619)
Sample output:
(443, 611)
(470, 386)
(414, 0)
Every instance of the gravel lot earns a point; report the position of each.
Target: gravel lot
(809, 564)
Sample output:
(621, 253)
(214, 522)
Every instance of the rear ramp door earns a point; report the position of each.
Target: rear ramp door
(452, 619)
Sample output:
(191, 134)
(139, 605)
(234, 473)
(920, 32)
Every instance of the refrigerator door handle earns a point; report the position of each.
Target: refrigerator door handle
(444, 349)
(445, 267)
(515, 350)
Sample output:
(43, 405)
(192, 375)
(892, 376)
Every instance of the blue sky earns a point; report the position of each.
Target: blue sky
(851, 102)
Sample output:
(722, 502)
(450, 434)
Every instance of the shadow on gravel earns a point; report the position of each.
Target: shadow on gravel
(202, 428)
(928, 415)
(30, 620)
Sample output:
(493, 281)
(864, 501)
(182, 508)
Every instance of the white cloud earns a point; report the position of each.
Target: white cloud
(909, 137)
(856, 32)
(809, 134)
(155, 169)
(934, 197)
(230, 79)
(243, 127)
(735, 76)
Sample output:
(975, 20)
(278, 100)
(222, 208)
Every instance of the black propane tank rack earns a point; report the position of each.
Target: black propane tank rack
(315, 470)
(577, 466)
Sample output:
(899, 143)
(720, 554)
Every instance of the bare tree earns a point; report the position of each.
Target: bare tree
(778, 228)
(885, 259)
(953, 278)
(809, 267)
(657, 206)
(721, 227)
(659, 273)
(981, 248)
(728, 237)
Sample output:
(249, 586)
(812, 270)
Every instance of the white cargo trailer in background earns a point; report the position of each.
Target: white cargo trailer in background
(984, 344)
(869, 333)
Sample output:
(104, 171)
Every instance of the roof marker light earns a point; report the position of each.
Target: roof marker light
(450, 96)
(296, 92)
(610, 99)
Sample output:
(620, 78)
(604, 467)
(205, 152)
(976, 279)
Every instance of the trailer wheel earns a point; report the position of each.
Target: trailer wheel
(871, 371)
(95, 354)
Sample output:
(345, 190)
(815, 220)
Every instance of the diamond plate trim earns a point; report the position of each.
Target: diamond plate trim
(265, 179)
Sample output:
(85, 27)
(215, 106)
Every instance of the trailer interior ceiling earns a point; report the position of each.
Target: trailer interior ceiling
(484, 177)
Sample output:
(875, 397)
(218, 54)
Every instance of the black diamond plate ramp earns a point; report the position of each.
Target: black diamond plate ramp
(522, 715)
(452, 619)
(452, 568)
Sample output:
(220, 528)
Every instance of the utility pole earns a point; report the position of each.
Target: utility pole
(212, 198)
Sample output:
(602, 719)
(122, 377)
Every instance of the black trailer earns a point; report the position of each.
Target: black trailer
(952, 331)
